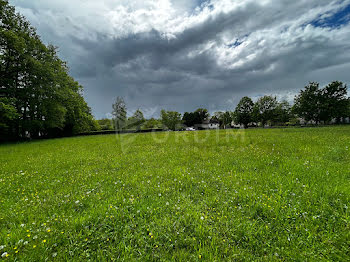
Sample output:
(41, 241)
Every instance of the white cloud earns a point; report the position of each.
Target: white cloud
(158, 50)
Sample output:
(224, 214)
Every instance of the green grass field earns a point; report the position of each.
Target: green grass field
(262, 195)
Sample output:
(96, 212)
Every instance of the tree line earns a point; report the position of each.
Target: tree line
(313, 105)
(38, 98)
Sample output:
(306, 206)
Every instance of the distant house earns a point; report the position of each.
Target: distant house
(235, 125)
(209, 124)
(342, 120)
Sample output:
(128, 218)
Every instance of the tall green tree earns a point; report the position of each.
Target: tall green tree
(244, 111)
(46, 100)
(189, 119)
(333, 101)
(119, 114)
(224, 118)
(136, 120)
(283, 112)
(171, 119)
(265, 109)
(201, 114)
(307, 103)
(8, 114)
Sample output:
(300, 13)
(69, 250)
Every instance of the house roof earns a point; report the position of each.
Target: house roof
(211, 121)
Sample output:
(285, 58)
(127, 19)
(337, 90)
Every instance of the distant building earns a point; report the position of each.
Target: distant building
(209, 124)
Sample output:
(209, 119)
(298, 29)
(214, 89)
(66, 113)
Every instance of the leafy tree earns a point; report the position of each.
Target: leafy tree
(152, 124)
(224, 118)
(244, 111)
(8, 114)
(196, 117)
(136, 120)
(283, 112)
(307, 103)
(265, 109)
(333, 101)
(119, 113)
(171, 119)
(189, 119)
(218, 116)
(201, 114)
(105, 124)
(46, 100)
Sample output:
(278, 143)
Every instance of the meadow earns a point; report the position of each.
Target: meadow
(228, 195)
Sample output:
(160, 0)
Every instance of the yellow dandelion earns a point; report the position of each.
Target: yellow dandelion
(34, 246)
(44, 241)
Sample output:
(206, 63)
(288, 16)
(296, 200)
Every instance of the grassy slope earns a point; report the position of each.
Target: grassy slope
(246, 195)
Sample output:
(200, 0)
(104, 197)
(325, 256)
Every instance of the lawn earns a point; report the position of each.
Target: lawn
(260, 194)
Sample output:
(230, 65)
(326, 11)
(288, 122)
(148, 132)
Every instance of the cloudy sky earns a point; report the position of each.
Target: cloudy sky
(184, 54)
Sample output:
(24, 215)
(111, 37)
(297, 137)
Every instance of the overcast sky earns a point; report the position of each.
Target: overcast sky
(184, 54)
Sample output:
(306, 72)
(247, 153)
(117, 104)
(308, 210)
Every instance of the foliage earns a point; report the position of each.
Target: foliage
(265, 109)
(307, 103)
(41, 99)
(244, 111)
(283, 112)
(224, 118)
(136, 120)
(8, 114)
(152, 124)
(333, 101)
(171, 119)
(315, 104)
(228, 195)
(189, 119)
(202, 115)
(195, 118)
(105, 124)
(119, 114)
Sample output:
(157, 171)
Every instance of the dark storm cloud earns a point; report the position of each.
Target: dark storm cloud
(209, 57)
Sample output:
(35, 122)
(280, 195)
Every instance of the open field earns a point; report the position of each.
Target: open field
(275, 194)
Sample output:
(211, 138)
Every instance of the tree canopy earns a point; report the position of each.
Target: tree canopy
(315, 104)
(243, 112)
(265, 109)
(38, 97)
(171, 119)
